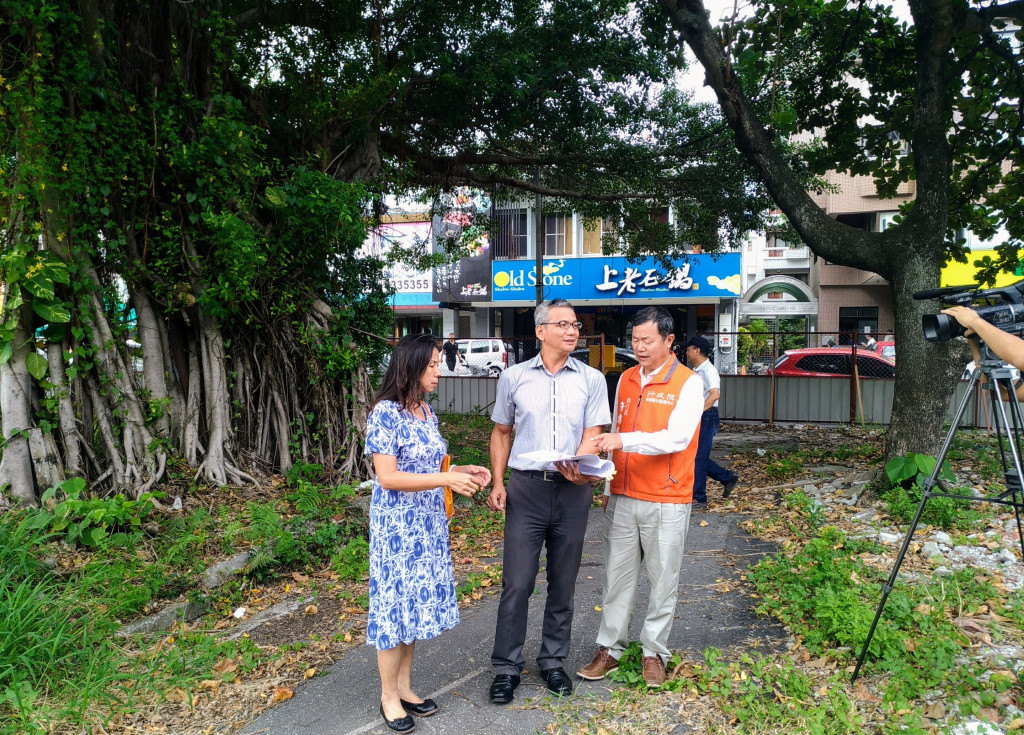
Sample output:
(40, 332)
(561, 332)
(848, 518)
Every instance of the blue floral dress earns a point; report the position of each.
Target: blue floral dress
(412, 586)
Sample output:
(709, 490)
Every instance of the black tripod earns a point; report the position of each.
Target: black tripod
(1009, 433)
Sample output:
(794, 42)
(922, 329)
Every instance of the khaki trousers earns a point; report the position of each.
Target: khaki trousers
(635, 531)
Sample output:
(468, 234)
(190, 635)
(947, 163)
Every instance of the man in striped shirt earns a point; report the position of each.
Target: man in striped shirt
(555, 403)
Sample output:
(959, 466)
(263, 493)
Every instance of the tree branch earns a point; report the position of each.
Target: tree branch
(824, 235)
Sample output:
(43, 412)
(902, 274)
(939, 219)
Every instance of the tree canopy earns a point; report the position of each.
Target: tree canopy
(934, 101)
(184, 187)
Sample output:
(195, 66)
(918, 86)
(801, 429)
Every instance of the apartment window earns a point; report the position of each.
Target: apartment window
(595, 233)
(511, 238)
(558, 235)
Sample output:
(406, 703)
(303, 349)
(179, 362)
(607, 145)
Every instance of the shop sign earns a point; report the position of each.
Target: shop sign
(411, 287)
(576, 279)
(466, 278)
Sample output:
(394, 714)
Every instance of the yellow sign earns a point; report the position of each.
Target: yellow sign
(962, 274)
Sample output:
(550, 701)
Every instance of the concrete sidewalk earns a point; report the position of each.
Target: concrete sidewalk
(454, 668)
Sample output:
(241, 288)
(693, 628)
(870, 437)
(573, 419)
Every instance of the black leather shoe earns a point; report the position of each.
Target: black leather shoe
(423, 709)
(402, 724)
(558, 681)
(503, 688)
(728, 487)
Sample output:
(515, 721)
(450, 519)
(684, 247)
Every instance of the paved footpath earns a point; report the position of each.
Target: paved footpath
(454, 668)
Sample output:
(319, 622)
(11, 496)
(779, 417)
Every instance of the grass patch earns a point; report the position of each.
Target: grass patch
(61, 668)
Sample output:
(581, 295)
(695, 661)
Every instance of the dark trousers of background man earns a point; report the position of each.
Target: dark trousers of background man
(539, 512)
(704, 466)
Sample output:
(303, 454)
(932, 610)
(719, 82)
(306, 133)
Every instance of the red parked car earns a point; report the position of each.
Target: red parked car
(833, 362)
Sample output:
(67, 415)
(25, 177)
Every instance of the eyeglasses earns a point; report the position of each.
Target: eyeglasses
(564, 325)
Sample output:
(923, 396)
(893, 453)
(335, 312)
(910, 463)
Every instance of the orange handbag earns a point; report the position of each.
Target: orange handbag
(449, 500)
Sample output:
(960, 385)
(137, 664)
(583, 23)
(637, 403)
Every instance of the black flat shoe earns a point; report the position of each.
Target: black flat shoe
(402, 724)
(503, 688)
(558, 681)
(424, 709)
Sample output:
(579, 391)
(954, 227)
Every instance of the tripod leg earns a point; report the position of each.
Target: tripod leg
(925, 494)
(1018, 477)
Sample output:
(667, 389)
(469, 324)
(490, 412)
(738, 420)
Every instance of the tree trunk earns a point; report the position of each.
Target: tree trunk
(73, 466)
(16, 413)
(926, 373)
(153, 369)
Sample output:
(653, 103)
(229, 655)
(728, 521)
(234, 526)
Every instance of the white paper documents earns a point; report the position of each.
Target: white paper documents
(589, 464)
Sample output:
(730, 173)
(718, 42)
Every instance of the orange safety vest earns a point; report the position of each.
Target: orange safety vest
(660, 478)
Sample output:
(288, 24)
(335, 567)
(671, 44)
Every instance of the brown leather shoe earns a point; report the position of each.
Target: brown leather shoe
(654, 671)
(603, 663)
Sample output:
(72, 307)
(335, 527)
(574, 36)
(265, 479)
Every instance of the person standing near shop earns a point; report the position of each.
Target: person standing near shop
(451, 352)
(647, 513)
(697, 351)
(556, 404)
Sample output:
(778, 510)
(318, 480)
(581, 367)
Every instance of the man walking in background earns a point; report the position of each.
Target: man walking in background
(557, 405)
(657, 412)
(697, 351)
(451, 352)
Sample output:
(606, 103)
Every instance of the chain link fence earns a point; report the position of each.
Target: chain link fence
(805, 354)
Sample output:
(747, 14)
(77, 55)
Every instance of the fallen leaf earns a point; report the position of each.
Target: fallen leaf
(486, 582)
(1016, 724)
(348, 637)
(310, 610)
(969, 626)
(703, 523)
(935, 711)
(225, 666)
(309, 673)
(300, 578)
(209, 685)
(924, 608)
(282, 694)
(865, 696)
(176, 695)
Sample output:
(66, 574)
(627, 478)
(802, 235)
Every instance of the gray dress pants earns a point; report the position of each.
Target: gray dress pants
(539, 513)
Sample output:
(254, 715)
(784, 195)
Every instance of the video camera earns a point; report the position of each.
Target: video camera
(1007, 313)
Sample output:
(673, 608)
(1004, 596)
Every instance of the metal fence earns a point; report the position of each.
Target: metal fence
(774, 377)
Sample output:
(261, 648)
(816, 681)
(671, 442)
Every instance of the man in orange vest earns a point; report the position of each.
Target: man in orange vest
(658, 406)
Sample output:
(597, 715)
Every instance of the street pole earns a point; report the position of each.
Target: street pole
(538, 229)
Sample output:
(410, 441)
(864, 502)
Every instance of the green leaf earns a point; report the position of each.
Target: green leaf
(36, 365)
(14, 299)
(52, 312)
(277, 196)
(40, 286)
(55, 270)
(93, 535)
(900, 469)
(925, 463)
(54, 332)
(6, 350)
(73, 486)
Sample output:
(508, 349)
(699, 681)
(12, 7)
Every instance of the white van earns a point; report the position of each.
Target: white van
(490, 354)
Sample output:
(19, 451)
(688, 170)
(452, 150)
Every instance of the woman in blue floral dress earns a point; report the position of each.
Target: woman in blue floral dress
(412, 586)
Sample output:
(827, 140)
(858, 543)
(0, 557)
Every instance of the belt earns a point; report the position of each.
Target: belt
(543, 475)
